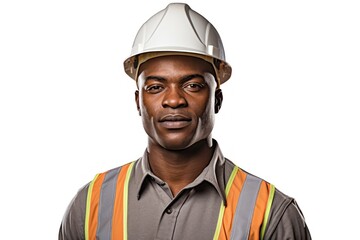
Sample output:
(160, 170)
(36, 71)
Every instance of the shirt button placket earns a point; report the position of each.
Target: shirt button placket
(167, 223)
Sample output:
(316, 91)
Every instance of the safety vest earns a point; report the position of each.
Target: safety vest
(245, 216)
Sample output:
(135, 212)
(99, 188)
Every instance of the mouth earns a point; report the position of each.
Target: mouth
(175, 121)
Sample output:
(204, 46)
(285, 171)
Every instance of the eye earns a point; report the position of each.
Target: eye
(194, 86)
(154, 88)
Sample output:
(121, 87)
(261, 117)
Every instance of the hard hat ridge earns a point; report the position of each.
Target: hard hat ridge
(178, 30)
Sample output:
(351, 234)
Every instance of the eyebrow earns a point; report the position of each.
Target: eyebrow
(189, 77)
(183, 79)
(161, 79)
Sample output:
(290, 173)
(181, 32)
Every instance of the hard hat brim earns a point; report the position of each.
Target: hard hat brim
(131, 65)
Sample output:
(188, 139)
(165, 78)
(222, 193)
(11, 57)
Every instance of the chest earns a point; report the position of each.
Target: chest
(192, 214)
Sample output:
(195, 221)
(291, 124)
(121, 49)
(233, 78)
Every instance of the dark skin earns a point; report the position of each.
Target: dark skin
(177, 100)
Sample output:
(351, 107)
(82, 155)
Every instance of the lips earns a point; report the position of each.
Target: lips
(175, 121)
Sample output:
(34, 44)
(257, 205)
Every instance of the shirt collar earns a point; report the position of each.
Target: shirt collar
(213, 173)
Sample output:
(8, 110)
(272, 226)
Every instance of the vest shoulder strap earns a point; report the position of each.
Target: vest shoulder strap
(106, 200)
(249, 200)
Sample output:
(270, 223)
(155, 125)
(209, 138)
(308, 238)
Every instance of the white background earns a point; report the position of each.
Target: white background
(290, 113)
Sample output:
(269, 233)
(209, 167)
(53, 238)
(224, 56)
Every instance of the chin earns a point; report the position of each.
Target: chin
(179, 140)
(183, 143)
(170, 145)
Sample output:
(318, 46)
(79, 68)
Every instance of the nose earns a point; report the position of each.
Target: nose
(174, 98)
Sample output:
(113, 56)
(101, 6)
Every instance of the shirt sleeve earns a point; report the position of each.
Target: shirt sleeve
(72, 225)
(286, 221)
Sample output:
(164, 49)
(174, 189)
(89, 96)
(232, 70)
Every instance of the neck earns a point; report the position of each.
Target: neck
(181, 167)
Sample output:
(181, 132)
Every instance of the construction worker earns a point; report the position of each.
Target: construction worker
(182, 187)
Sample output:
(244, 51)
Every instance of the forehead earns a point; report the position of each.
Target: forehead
(174, 65)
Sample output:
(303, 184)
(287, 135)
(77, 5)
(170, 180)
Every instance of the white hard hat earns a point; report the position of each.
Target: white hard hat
(178, 30)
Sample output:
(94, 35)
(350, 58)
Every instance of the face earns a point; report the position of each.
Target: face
(177, 100)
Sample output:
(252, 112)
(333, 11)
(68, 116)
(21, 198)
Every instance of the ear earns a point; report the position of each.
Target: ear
(218, 100)
(137, 101)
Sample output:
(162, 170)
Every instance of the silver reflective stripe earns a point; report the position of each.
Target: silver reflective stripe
(106, 205)
(245, 208)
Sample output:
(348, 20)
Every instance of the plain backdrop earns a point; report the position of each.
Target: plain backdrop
(290, 113)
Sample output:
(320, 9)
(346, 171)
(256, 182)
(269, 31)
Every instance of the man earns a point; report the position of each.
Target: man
(182, 187)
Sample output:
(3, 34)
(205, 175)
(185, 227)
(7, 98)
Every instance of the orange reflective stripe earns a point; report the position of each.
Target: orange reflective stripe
(259, 211)
(227, 214)
(267, 211)
(119, 215)
(119, 232)
(92, 215)
(222, 206)
(232, 200)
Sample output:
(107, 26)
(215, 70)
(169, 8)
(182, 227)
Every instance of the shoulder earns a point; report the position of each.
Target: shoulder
(286, 221)
(72, 225)
(73, 222)
(230, 166)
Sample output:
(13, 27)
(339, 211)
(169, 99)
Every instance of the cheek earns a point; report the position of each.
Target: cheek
(210, 108)
(206, 111)
(209, 114)
(209, 103)
(209, 99)
(146, 118)
(149, 107)
(142, 103)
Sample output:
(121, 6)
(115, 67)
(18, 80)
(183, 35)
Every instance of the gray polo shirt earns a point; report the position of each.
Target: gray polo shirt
(154, 213)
